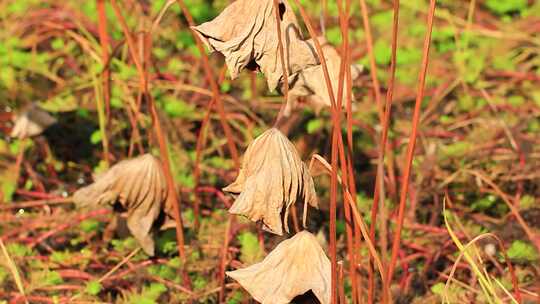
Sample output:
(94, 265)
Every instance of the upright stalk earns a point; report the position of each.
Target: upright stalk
(337, 146)
(283, 64)
(412, 143)
(335, 133)
(384, 116)
(172, 197)
(104, 42)
(384, 135)
(216, 100)
(345, 72)
(101, 118)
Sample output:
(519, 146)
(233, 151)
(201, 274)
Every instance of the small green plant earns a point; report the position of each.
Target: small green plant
(93, 287)
(249, 248)
(488, 284)
(521, 251)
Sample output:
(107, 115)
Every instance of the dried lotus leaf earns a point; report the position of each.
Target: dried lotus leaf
(272, 178)
(310, 84)
(139, 186)
(246, 34)
(31, 122)
(294, 267)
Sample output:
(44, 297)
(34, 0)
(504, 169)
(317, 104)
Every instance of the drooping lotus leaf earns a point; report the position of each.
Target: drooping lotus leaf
(272, 178)
(310, 84)
(294, 267)
(31, 122)
(139, 186)
(246, 34)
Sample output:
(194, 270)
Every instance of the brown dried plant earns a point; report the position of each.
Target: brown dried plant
(245, 33)
(272, 178)
(31, 122)
(139, 186)
(294, 267)
(309, 82)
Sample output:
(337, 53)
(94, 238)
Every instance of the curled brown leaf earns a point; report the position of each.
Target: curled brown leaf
(294, 267)
(272, 178)
(31, 122)
(245, 33)
(309, 82)
(139, 186)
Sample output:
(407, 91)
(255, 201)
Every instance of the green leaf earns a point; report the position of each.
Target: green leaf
(484, 203)
(383, 52)
(179, 109)
(19, 250)
(90, 225)
(521, 251)
(382, 19)
(163, 271)
(250, 251)
(95, 138)
(333, 35)
(61, 257)
(8, 189)
(516, 100)
(199, 283)
(57, 44)
(225, 86)
(457, 149)
(526, 202)
(4, 275)
(314, 125)
(166, 242)
(438, 288)
(236, 298)
(149, 294)
(45, 278)
(502, 7)
(127, 244)
(93, 287)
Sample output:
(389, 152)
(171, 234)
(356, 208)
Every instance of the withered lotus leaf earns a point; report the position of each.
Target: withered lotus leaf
(139, 186)
(246, 34)
(310, 83)
(272, 178)
(31, 122)
(294, 267)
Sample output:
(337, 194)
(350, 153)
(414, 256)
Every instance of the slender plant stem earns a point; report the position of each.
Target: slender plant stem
(214, 86)
(412, 142)
(284, 68)
(101, 118)
(104, 41)
(378, 100)
(371, 56)
(335, 134)
(216, 100)
(172, 195)
(224, 258)
(337, 144)
(384, 135)
(345, 72)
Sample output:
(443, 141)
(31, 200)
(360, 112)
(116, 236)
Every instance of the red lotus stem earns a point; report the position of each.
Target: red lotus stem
(216, 100)
(172, 197)
(348, 176)
(283, 64)
(104, 41)
(411, 145)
